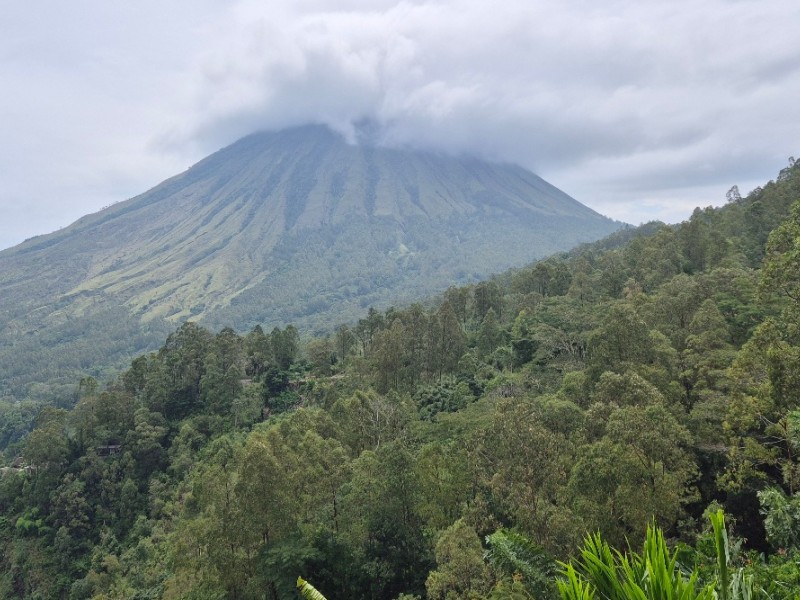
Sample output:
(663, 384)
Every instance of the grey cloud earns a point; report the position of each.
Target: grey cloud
(628, 105)
(546, 84)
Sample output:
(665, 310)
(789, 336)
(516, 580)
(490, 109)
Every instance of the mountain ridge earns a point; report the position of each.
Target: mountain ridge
(296, 225)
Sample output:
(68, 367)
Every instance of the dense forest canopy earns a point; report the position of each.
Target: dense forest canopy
(454, 450)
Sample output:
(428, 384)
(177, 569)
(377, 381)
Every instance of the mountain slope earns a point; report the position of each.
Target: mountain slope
(290, 226)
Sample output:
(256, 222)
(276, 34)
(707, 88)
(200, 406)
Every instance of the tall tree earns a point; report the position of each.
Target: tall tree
(461, 573)
(487, 296)
(285, 345)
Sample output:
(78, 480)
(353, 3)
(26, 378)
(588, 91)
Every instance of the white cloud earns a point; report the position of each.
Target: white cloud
(553, 85)
(636, 108)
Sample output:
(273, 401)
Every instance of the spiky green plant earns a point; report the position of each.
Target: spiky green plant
(734, 585)
(602, 572)
(611, 575)
(723, 554)
(575, 587)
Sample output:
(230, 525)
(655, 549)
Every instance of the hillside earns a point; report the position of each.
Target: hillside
(296, 226)
(456, 450)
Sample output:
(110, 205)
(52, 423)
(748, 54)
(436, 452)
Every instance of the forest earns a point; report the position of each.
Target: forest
(498, 441)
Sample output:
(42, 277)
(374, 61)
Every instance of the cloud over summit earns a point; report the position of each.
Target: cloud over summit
(638, 108)
(548, 83)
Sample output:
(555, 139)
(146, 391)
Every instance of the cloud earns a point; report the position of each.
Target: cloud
(621, 96)
(630, 106)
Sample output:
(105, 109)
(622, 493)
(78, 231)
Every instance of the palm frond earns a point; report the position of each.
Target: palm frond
(513, 554)
(308, 591)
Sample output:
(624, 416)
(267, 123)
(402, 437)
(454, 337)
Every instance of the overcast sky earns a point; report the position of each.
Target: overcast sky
(639, 109)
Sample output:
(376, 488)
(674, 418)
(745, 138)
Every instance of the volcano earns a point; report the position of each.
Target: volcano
(296, 226)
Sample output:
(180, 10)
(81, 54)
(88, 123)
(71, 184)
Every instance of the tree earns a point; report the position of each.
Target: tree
(486, 297)
(389, 357)
(445, 482)
(524, 463)
(628, 389)
(583, 275)
(368, 420)
(146, 441)
(70, 508)
(449, 341)
(16, 420)
(322, 355)
(490, 336)
(641, 469)
(694, 236)
(220, 383)
(707, 356)
(623, 340)
(213, 547)
(613, 274)
(733, 195)
(46, 448)
(781, 271)
(344, 342)
(674, 306)
(366, 329)
(766, 374)
(655, 260)
(461, 573)
(457, 299)
(781, 518)
(285, 345)
(247, 406)
(380, 517)
(258, 352)
(183, 357)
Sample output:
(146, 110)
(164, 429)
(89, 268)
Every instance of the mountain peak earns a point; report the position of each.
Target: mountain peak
(296, 225)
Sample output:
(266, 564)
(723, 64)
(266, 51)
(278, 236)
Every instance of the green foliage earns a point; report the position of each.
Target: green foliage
(781, 518)
(623, 386)
(442, 397)
(736, 585)
(515, 556)
(29, 523)
(573, 587)
(654, 574)
(308, 591)
(460, 573)
(782, 262)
